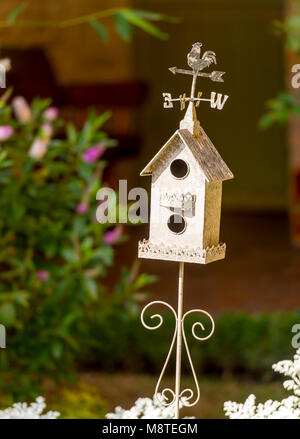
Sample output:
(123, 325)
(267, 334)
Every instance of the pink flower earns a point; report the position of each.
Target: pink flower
(112, 236)
(47, 131)
(93, 154)
(51, 113)
(21, 109)
(42, 275)
(38, 149)
(6, 131)
(83, 207)
(6, 64)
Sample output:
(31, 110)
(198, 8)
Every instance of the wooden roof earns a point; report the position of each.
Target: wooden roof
(210, 161)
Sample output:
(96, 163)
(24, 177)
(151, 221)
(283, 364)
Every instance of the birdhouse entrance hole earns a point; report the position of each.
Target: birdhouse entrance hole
(179, 168)
(177, 224)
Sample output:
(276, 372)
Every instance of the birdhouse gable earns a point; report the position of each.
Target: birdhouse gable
(165, 154)
(211, 163)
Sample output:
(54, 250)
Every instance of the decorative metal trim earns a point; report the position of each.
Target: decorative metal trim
(150, 250)
(177, 200)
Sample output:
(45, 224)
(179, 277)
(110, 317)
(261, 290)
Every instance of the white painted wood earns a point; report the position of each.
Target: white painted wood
(199, 242)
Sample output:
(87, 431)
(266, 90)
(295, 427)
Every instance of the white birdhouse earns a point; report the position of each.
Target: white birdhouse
(187, 175)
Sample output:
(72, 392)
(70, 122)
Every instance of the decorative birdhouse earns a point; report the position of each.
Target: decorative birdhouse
(187, 175)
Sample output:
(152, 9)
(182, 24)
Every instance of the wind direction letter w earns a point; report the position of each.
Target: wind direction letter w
(217, 102)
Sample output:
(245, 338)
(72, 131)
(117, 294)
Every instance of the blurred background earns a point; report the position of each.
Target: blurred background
(71, 317)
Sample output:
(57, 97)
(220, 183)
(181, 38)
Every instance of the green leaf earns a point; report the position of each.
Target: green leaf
(68, 339)
(91, 287)
(293, 21)
(7, 314)
(123, 27)
(280, 109)
(13, 15)
(79, 225)
(142, 24)
(100, 29)
(100, 120)
(105, 254)
(69, 255)
(20, 297)
(85, 171)
(3, 155)
(71, 133)
(266, 121)
(144, 280)
(57, 349)
(155, 16)
(6, 95)
(87, 243)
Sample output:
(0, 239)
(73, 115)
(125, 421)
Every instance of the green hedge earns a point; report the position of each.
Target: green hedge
(242, 343)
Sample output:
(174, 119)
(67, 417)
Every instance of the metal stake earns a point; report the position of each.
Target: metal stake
(179, 339)
(186, 397)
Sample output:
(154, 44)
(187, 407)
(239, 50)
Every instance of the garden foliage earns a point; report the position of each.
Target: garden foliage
(242, 344)
(54, 256)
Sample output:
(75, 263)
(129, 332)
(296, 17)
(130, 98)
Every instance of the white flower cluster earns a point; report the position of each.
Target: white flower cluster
(21, 410)
(288, 408)
(145, 408)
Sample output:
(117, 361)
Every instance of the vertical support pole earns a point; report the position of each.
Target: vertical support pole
(179, 338)
(193, 85)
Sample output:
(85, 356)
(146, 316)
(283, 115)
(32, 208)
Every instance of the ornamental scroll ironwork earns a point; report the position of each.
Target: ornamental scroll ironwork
(186, 396)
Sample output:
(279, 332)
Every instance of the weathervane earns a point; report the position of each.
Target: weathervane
(198, 63)
(186, 195)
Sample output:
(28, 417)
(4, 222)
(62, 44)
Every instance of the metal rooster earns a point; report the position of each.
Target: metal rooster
(196, 62)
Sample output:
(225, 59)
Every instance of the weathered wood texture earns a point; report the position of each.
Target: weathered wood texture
(212, 217)
(210, 161)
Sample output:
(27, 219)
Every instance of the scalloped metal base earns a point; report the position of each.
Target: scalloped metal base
(149, 250)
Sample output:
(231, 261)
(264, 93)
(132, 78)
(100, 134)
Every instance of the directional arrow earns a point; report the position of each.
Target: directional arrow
(217, 76)
(214, 76)
(174, 70)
